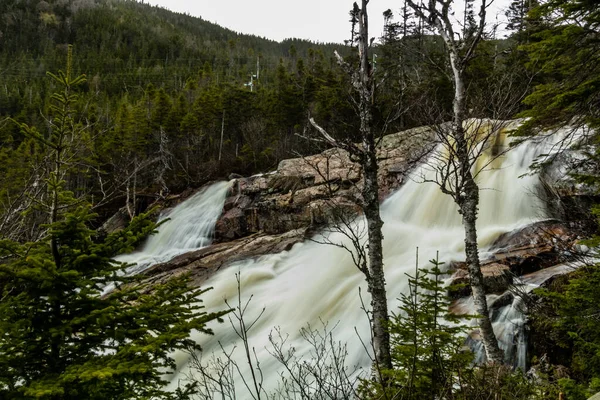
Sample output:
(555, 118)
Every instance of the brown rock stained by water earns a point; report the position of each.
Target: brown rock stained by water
(522, 251)
(303, 191)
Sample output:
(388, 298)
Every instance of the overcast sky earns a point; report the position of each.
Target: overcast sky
(317, 20)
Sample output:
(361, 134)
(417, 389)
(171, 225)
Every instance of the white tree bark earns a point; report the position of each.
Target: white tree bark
(464, 188)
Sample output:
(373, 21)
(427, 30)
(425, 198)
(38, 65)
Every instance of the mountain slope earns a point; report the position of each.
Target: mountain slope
(134, 43)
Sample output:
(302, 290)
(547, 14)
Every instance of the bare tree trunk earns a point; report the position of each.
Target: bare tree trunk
(55, 204)
(465, 192)
(362, 81)
(469, 218)
(376, 280)
(134, 194)
(131, 192)
(468, 202)
(222, 131)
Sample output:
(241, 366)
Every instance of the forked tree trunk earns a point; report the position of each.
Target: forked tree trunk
(466, 193)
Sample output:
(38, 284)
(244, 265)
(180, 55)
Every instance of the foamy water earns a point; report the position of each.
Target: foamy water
(315, 282)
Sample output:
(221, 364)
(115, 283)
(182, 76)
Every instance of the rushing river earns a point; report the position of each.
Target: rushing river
(315, 283)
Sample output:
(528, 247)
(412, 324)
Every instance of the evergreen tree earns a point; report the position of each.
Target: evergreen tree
(518, 20)
(568, 51)
(428, 342)
(570, 320)
(61, 336)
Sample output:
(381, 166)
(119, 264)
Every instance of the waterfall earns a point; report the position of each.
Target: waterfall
(190, 226)
(314, 282)
(509, 319)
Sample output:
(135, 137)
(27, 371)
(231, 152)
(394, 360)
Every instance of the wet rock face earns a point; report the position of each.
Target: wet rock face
(568, 199)
(203, 263)
(534, 247)
(522, 251)
(496, 279)
(117, 222)
(538, 233)
(496, 305)
(268, 210)
(312, 191)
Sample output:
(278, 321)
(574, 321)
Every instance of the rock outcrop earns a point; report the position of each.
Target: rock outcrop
(268, 213)
(567, 198)
(203, 263)
(309, 191)
(496, 279)
(516, 253)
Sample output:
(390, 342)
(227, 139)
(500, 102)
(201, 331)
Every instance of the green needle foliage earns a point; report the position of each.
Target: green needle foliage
(570, 322)
(568, 53)
(429, 354)
(60, 337)
(428, 342)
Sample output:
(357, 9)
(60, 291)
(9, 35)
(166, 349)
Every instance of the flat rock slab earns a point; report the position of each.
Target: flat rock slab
(202, 264)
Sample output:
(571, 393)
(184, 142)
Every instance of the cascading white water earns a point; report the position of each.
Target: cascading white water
(510, 318)
(190, 227)
(315, 282)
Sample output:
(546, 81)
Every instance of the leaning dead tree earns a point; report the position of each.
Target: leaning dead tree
(457, 179)
(365, 154)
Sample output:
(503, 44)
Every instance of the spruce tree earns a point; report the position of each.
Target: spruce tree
(427, 342)
(518, 21)
(61, 337)
(567, 51)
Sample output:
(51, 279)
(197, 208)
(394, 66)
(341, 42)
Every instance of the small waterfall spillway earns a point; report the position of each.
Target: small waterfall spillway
(187, 227)
(315, 283)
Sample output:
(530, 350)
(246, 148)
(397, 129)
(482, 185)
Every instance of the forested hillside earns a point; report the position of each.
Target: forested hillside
(164, 92)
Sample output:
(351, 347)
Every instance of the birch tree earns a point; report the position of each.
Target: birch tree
(366, 155)
(457, 179)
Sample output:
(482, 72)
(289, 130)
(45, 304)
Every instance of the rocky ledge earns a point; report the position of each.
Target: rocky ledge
(202, 264)
(308, 191)
(522, 251)
(267, 214)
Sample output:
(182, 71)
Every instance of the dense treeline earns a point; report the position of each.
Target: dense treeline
(172, 101)
(165, 92)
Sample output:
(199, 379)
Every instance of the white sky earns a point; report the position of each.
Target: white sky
(317, 20)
